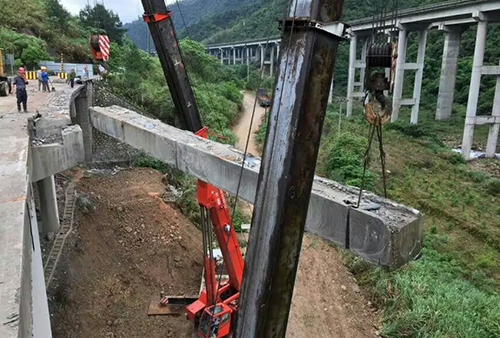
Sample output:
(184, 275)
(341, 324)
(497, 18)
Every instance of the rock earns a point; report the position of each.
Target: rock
(343, 287)
(50, 236)
(128, 229)
(177, 259)
(356, 288)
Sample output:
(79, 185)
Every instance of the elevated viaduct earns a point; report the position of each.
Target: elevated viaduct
(34, 149)
(452, 18)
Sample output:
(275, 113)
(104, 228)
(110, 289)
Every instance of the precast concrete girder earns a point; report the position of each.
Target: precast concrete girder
(389, 236)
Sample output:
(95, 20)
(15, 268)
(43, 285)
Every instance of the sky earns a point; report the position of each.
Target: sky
(128, 10)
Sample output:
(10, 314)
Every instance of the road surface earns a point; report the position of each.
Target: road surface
(36, 99)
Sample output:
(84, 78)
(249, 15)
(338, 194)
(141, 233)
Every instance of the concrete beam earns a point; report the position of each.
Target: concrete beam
(388, 237)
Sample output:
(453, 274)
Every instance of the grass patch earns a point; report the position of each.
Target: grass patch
(432, 297)
(453, 290)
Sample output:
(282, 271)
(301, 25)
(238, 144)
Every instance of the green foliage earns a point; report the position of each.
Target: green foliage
(100, 17)
(146, 161)
(260, 134)
(456, 158)
(434, 296)
(57, 14)
(28, 50)
(139, 78)
(413, 130)
(492, 187)
(346, 159)
(33, 54)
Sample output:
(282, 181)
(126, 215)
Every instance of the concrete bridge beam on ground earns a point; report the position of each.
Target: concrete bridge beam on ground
(388, 236)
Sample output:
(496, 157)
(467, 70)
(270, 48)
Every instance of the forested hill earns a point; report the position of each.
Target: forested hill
(35, 30)
(212, 21)
(239, 20)
(189, 12)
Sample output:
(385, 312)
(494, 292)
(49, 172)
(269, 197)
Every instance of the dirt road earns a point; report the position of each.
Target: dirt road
(241, 128)
(327, 302)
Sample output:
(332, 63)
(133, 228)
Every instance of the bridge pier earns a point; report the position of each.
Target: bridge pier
(354, 64)
(448, 72)
(352, 74)
(402, 65)
(475, 84)
(399, 76)
(417, 89)
(471, 120)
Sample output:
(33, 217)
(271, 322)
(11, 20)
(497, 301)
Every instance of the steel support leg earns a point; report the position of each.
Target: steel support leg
(475, 84)
(286, 175)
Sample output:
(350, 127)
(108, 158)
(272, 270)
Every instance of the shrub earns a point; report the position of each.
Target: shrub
(346, 160)
(413, 130)
(492, 187)
(477, 176)
(456, 158)
(147, 161)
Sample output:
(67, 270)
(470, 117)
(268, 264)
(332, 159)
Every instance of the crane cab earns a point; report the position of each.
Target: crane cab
(215, 322)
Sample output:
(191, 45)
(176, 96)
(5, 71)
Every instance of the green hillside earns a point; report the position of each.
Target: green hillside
(35, 30)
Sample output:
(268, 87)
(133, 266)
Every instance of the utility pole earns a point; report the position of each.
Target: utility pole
(286, 175)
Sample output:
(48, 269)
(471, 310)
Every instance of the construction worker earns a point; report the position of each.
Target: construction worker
(39, 78)
(72, 76)
(45, 80)
(21, 93)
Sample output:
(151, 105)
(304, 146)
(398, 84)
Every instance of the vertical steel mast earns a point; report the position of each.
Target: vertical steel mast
(288, 164)
(162, 31)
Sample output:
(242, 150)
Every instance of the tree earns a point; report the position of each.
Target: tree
(57, 13)
(101, 18)
(32, 55)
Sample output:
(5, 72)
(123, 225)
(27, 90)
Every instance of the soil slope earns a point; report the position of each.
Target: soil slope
(130, 245)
